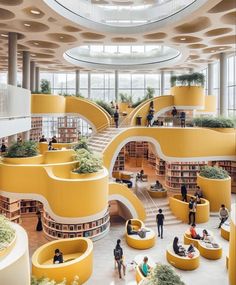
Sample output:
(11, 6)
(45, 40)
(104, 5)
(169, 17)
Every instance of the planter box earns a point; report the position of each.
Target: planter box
(38, 159)
(216, 191)
(7, 249)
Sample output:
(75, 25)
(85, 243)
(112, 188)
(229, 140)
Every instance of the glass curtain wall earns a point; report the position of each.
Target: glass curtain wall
(231, 84)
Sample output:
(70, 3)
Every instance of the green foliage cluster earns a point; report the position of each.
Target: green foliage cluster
(88, 162)
(163, 275)
(7, 233)
(22, 149)
(71, 95)
(213, 172)
(81, 144)
(105, 106)
(125, 98)
(149, 95)
(214, 122)
(47, 281)
(45, 86)
(193, 79)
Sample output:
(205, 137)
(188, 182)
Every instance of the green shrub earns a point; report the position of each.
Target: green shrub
(106, 107)
(7, 233)
(47, 281)
(149, 95)
(81, 144)
(45, 86)
(163, 275)
(193, 79)
(88, 162)
(22, 149)
(125, 98)
(214, 122)
(213, 172)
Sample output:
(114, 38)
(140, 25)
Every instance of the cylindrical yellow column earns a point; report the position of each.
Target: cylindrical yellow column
(232, 247)
(216, 191)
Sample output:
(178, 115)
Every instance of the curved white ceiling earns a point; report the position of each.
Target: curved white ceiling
(124, 17)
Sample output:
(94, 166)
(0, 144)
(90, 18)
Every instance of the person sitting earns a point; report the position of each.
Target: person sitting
(145, 268)
(156, 123)
(206, 237)
(54, 140)
(193, 232)
(58, 257)
(223, 215)
(198, 192)
(140, 175)
(180, 250)
(157, 185)
(3, 148)
(198, 200)
(42, 139)
(130, 230)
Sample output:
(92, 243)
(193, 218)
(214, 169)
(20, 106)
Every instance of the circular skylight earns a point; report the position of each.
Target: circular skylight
(123, 57)
(109, 15)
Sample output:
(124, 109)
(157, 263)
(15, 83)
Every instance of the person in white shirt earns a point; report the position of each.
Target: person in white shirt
(223, 215)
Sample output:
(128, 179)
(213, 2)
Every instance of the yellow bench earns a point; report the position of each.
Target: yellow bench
(77, 255)
(182, 262)
(157, 193)
(181, 209)
(207, 252)
(138, 273)
(136, 241)
(225, 231)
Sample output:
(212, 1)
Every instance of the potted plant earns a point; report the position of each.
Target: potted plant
(7, 236)
(25, 152)
(215, 123)
(47, 281)
(215, 183)
(162, 275)
(106, 107)
(45, 86)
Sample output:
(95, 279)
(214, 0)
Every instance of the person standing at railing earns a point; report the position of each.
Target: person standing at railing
(182, 119)
(3, 148)
(174, 112)
(116, 118)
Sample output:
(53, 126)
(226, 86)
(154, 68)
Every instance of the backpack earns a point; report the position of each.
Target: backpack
(190, 205)
(117, 253)
(142, 234)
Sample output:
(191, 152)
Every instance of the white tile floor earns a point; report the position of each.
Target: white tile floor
(208, 271)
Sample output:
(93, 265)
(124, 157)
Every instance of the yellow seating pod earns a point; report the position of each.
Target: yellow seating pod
(138, 273)
(181, 210)
(77, 256)
(225, 231)
(205, 251)
(136, 241)
(182, 262)
(156, 193)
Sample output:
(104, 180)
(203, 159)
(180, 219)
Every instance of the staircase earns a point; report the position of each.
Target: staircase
(99, 141)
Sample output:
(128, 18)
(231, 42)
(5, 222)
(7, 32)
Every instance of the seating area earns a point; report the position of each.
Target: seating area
(208, 250)
(77, 257)
(157, 193)
(138, 271)
(183, 262)
(135, 241)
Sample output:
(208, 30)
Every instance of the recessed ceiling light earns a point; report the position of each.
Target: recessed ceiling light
(36, 43)
(221, 48)
(33, 54)
(27, 25)
(35, 12)
(212, 50)
(61, 37)
(4, 35)
(182, 39)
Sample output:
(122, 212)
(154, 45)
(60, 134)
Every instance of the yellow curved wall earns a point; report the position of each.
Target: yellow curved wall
(216, 191)
(232, 248)
(123, 191)
(43, 146)
(81, 197)
(82, 266)
(210, 105)
(176, 143)
(54, 104)
(188, 96)
(181, 210)
(24, 160)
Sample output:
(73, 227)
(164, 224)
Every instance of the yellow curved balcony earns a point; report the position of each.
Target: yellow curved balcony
(232, 247)
(181, 210)
(225, 231)
(77, 256)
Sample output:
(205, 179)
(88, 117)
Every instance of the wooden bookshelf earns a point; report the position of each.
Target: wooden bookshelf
(36, 128)
(137, 149)
(10, 208)
(120, 161)
(160, 167)
(151, 157)
(91, 230)
(30, 207)
(178, 173)
(67, 129)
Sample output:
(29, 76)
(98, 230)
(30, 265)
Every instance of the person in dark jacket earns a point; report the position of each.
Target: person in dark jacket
(174, 112)
(182, 119)
(184, 193)
(160, 221)
(58, 257)
(3, 148)
(130, 230)
(119, 257)
(39, 226)
(149, 119)
(42, 139)
(116, 118)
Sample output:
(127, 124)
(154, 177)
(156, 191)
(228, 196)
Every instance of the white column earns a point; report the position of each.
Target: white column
(223, 85)
(89, 85)
(26, 70)
(77, 77)
(12, 59)
(116, 86)
(37, 79)
(162, 81)
(32, 76)
(210, 79)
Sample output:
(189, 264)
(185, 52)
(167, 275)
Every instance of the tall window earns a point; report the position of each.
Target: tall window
(231, 84)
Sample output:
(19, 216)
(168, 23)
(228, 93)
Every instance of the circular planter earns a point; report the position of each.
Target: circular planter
(7, 249)
(157, 194)
(223, 130)
(74, 175)
(38, 159)
(192, 96)
(216, 191)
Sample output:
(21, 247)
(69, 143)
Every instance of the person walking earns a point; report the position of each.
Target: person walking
(160, 221)
(149, 119)
(116, 118)
(39, 226)
(223, 215)
(119, 258)
(184, 192)
(182, 119)
(192, 211)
